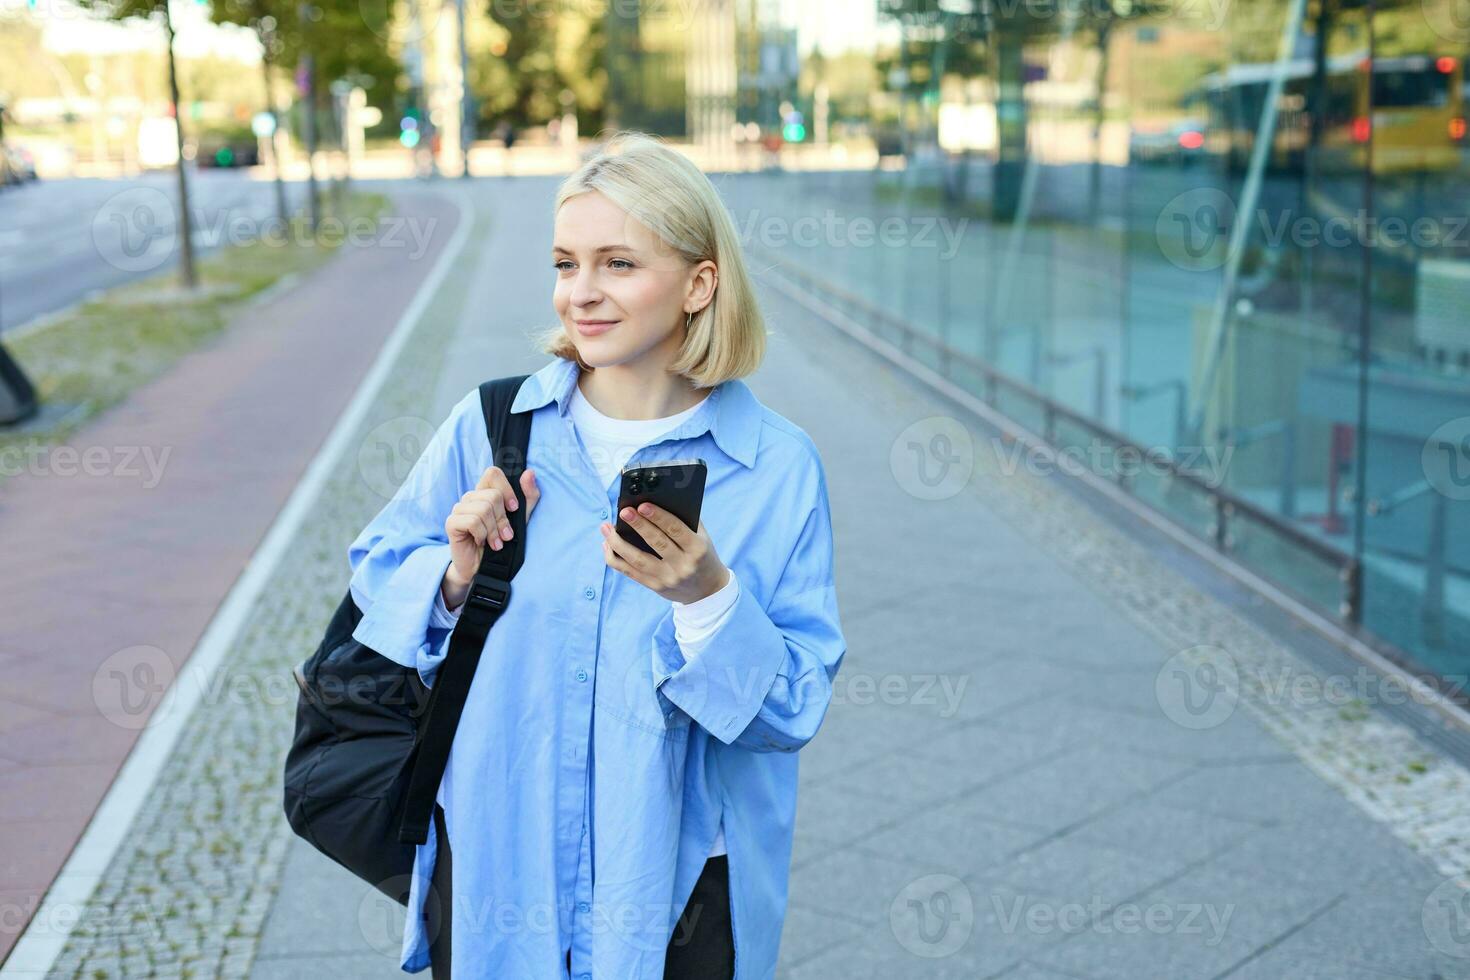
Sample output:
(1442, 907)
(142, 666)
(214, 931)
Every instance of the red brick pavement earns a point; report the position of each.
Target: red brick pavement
(94, 564)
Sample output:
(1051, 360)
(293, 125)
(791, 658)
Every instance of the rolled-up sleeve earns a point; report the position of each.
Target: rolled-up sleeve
(764, 680)
(399, 559)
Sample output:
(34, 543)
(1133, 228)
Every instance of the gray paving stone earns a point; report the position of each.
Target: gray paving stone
(1075, 786)
(1199, 925)
(994, 930)
(808, 933)
(955, 837)
(1156, 833)
(1081, 870)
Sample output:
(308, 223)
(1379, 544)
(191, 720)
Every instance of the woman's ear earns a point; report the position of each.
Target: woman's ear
(702, 287)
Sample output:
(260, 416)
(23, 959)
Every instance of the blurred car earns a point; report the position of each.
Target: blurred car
(1179, 144)
(223, 153)
(22, 162)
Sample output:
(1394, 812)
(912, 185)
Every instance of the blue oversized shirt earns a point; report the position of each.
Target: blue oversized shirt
(593, 762)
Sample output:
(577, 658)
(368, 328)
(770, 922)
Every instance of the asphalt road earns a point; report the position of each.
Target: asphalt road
(60, 240)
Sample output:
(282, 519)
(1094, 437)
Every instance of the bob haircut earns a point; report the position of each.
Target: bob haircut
(663, 190)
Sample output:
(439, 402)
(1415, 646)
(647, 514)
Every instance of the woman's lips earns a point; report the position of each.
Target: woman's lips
(591, 328)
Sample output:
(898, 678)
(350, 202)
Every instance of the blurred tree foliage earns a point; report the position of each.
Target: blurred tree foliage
(534, 53)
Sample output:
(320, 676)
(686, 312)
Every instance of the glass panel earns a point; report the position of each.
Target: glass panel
(1416, 455)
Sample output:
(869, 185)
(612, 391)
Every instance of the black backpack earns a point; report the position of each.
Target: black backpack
(371, 740)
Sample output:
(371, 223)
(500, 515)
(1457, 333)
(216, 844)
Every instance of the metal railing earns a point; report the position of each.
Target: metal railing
(1226, 507)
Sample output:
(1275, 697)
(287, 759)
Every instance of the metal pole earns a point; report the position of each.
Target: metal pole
(1250, 194)
(466, 105)
(1431, 612)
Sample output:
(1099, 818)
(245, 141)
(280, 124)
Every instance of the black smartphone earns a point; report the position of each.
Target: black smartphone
(676, 485)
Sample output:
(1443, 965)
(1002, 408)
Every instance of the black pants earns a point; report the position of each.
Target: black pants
(702, 947)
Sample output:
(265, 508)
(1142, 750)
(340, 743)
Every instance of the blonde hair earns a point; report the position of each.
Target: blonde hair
(663, 190)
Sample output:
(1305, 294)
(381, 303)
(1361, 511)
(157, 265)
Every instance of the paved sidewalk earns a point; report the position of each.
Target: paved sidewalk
(114, 568)
(1003, 786)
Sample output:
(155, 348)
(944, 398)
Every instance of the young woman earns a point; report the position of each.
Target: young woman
(620, 796)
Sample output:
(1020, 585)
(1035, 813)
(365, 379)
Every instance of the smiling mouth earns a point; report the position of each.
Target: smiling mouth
(593, 327)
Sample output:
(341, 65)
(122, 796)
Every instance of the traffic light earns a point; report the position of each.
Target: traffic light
(408, 128)
(793, 131)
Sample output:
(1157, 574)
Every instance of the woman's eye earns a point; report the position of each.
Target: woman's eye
(625, 262)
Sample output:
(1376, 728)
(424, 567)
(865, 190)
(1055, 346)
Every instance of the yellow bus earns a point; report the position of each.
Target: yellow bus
(1413, 111)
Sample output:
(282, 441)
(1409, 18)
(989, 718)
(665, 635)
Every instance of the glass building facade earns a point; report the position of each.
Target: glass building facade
(1223, 247)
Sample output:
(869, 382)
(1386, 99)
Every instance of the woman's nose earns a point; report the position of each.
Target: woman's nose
(585, 291)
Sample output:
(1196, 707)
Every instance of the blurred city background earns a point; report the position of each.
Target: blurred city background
(1211, 258)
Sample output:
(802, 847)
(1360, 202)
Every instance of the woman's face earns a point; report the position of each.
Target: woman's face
(621, 293)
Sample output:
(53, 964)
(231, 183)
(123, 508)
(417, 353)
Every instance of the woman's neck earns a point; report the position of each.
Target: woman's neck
(623, 391)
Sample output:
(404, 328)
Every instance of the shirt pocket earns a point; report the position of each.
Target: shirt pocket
(625, 690)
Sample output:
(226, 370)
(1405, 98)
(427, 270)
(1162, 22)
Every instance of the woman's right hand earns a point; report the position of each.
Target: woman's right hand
(479, 516)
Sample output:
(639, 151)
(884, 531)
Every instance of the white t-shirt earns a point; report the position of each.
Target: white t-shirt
(610, 444)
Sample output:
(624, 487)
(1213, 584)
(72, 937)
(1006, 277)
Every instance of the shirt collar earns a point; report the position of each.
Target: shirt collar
(731, 413)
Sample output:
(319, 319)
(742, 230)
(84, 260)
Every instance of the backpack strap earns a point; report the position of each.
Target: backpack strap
(510, 438)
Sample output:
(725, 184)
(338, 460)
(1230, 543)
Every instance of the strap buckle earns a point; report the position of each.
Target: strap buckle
(489, 592)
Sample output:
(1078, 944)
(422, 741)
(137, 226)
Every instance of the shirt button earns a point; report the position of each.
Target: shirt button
(589, 592)
(583, 907)
(604, 513)
(581, 675)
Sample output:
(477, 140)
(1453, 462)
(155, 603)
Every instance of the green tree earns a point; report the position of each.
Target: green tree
(157, 10)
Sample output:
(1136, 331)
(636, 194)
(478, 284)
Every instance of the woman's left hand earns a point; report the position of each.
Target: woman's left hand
(686, 568)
